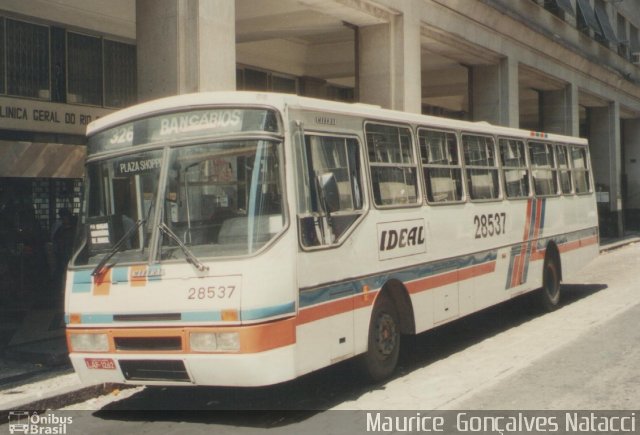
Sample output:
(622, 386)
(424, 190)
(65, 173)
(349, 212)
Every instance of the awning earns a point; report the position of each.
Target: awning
(603, 19)
(41, 160)
(589, 16)
(566, 6)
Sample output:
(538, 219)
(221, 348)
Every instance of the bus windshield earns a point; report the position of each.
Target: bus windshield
(218, 199)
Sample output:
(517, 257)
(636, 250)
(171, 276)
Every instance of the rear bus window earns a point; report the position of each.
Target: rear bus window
(393, 165)
(580, 169)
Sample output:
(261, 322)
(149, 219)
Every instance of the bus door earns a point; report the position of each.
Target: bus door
(330, 203)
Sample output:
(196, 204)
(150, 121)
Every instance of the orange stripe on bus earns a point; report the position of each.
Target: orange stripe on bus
(102, 283)
(432, 282)
(137, 276)
(253, 338)
(329, 309)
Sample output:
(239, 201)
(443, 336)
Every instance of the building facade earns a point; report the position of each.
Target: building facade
(561, 66)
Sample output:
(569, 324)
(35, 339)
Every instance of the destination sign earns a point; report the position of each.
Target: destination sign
(137, 166)
(196, 124)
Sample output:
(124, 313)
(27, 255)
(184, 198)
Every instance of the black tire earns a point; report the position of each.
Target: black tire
(550, 291)
(381, 358)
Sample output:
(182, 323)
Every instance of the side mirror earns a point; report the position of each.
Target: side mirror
(329, 193)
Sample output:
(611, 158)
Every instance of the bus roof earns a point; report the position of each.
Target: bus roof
(282, 101)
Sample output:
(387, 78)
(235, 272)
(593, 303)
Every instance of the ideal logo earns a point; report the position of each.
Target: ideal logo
(400, 239)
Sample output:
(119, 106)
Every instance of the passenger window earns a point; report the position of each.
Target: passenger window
(393, 165)
(564, 172)
(339, 157)
(543, 168)
(481, 168)
(580, 169)
(440, 165)
(514, 166)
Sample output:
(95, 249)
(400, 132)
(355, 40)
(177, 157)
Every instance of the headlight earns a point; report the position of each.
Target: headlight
(214, 341)
(203, 341)
(89, 343)
(228, 341)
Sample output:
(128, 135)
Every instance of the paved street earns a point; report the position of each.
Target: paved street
(583, 356)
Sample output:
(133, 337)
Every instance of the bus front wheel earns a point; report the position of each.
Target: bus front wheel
(381, 358)
(550, 291)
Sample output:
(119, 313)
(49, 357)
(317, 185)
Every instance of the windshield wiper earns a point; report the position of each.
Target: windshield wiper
(191, 258)
(117, 247)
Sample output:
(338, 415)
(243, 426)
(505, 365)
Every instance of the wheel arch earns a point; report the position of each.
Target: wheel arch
(398, 293)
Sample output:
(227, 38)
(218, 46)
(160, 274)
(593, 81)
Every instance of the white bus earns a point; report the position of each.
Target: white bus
(245, 239)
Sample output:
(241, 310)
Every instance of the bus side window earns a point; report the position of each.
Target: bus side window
(543, 168)
(514, 165)
(339, 156)
(393, 165)
(481, 167)
(564, 172)
(441, 165)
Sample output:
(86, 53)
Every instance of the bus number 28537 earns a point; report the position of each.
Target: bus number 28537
(211, 292)
(489, 225)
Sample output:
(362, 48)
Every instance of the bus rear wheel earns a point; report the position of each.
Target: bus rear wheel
(381, 358)
(550, 291)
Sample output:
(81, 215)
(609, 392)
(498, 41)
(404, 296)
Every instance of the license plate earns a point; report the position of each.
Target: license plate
(100, 363)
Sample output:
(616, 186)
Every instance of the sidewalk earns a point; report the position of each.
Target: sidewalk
(36, 374)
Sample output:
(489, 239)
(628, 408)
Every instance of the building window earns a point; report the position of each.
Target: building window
(340, 93)
(250, 79)
(2, 75)
(27, 59)
(84, 66)
(283, 84)
(119, 74)
(623, 40)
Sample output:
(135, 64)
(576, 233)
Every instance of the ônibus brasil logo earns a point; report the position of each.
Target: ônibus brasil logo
(33, 423)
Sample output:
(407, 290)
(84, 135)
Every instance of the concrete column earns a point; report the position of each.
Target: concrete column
(389, 63)
(631, 129)
(494, 93)
(185, 46)
(560, 111)
(604, 143)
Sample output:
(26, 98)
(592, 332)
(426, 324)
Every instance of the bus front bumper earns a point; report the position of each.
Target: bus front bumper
(241, 355)
(233, 370)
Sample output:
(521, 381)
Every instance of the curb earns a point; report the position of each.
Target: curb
(63, 399)
(619, 244)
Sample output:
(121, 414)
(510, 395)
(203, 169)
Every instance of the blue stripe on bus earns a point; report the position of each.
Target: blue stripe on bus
(263, 313)
(204, 316)
(82, 281)
(201, 316)
(120, 274)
